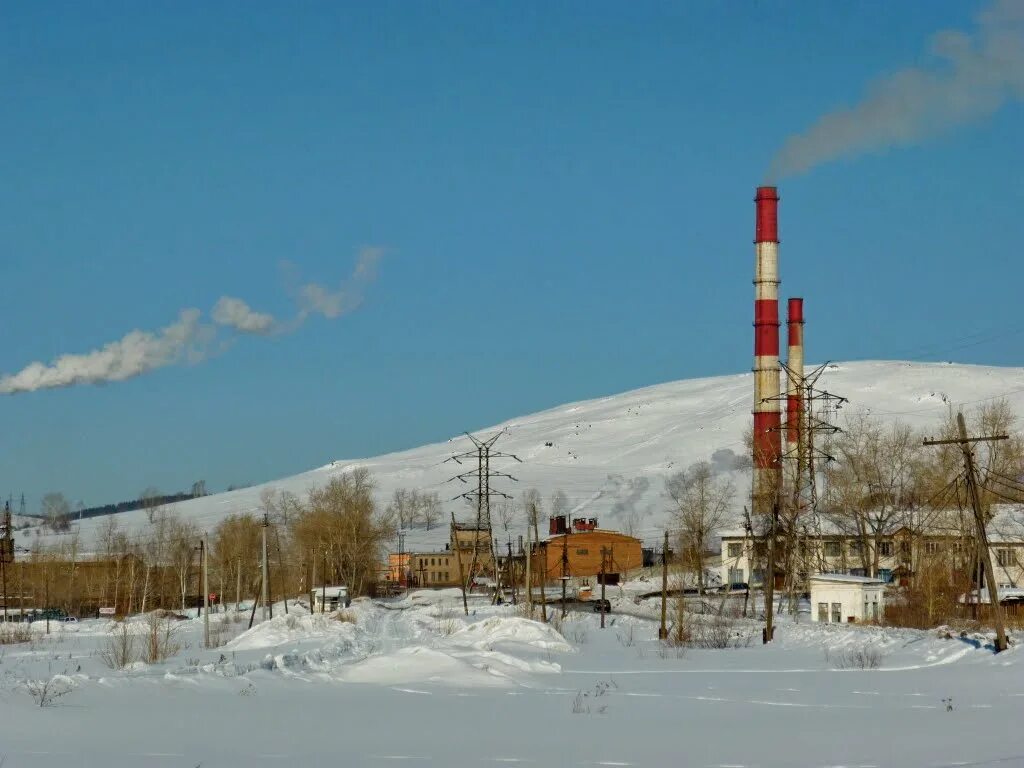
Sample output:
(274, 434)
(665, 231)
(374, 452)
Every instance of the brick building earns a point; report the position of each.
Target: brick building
(582, 547)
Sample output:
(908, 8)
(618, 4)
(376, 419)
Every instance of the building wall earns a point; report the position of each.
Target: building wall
(434, 569)
(850, 598)
(465, 540)
(839, 554)
(584, 554)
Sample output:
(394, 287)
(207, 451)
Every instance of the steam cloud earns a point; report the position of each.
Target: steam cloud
(137, 353)
(235, 313)
(189, 339)
(976, 74)
(317, 299)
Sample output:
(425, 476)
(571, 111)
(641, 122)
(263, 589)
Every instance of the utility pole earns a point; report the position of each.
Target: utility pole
(483, 452)
(663, 629)
(544, 572)
(529, 573)
(458, 562)
(6, 553)
(604, 572)
(312, 579)
(984, 553)
(238, 582)
(565, 564)
(264, 575)
(284, 572)
(769, 584)
(204, 553)
(323, 587)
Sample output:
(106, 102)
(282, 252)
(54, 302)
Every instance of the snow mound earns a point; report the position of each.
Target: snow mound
(419, 664)
(510, 629)
(290, 629)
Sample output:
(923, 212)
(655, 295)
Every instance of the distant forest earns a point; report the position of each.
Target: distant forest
(129, 506)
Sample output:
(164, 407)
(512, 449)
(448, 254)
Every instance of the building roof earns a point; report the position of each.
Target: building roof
(604, 531)
(842, 578)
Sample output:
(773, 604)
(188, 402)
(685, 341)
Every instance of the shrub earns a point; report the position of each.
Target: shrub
(11, 633)
(161, 638)
(346, 617)
(46, 692)
(120, 649)
(859, 657)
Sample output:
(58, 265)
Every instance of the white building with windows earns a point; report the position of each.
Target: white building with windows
(891, 557)
(842, 599)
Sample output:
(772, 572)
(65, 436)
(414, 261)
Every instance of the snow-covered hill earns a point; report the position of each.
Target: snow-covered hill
(611, 455)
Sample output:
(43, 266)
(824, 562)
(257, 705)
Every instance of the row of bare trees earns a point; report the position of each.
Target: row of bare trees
(336, 534)
(883, 480)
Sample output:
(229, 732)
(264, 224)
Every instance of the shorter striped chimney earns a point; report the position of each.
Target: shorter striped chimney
(795, 363)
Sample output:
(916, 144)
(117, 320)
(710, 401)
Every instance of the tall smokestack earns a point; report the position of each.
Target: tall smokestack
(794, 392)
(767, 414)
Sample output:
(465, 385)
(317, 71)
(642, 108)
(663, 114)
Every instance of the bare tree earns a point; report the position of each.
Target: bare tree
(56, 511)
(151, 503)
(429, 509)
(701, 504)
(403, 507)
(342, 520)
(873, 483)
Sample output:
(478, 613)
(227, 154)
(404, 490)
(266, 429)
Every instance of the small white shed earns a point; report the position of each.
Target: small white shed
(328, 599)
(838, 599)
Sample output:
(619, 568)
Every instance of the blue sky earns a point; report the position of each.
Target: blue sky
(564, 192)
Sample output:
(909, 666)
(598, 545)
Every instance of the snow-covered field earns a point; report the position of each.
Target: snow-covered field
(611, 455)
(413, 681)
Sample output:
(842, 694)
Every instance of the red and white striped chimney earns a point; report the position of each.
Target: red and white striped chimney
(767, 411)
(795, 363)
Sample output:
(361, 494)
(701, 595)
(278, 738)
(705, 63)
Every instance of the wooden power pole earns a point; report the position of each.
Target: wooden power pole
(264, 576)
(663, 629)
(529, 583)
(204, 553)
(565, 564)
(604, 572)
(544, 571)
(769, 583)
(984, 553)
(458, 562)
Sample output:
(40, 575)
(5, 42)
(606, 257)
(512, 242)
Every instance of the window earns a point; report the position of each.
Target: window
(582, 552)
(735, 550)
(758, 575)
(837, 613)
(1004, 558)
(856, 547)
(932, 547)
(432, 561)
(885, 548)
(885, 574)
(832, 549)
(858, 572)
(735, 575)
(823, 613)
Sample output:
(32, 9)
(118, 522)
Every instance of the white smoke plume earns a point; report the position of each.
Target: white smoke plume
(137, 353)
(318, 299)
(974, 74)
(235, 313)
(189, 339)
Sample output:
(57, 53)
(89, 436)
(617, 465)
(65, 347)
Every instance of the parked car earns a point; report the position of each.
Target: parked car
(736, 586)
(602, 605)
